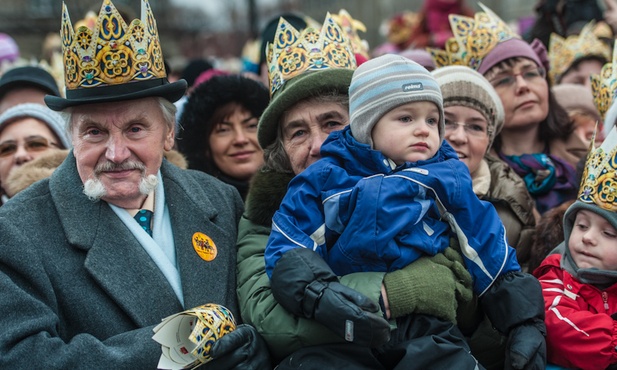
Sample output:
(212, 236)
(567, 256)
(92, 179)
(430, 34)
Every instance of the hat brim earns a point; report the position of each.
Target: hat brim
(129, 91)
(299, 88)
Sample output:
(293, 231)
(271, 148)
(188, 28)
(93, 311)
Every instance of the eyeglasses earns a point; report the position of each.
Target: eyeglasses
(505, 80)
(471, 129)
(35, 144)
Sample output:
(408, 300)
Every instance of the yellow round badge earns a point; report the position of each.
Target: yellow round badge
(204, 246)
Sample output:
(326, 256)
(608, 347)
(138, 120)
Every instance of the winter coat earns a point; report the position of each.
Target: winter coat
(361, 215)
(581, 333)
(79, 289)
(284, 333)
(515, 206)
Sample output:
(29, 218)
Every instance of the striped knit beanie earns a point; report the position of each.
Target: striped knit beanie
(384, 83)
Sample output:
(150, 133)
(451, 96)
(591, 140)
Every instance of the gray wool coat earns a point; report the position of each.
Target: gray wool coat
(78, 291)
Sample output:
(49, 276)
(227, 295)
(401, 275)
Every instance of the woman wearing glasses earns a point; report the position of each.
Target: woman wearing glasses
(474, 115)
(27, 131)
(538, 139)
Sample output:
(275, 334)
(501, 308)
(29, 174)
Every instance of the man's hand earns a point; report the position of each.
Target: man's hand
(243, 348)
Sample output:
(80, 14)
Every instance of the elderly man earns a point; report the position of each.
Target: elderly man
(82, 282)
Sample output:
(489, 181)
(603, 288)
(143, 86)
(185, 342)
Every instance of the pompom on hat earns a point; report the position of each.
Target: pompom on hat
(384, 83)
(462, 86)
(52, 119)
(114, 61)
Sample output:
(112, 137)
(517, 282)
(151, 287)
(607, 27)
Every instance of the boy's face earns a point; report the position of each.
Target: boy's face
(593, 242)
(408, 133)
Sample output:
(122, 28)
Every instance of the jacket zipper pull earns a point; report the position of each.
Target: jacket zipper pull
(605, 299)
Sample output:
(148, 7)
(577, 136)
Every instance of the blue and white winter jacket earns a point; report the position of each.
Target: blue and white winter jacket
(360, 212)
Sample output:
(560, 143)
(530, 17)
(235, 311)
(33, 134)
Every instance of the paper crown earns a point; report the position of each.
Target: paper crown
(473, 38)
(563, 53)
(599, 180)
(295, 52)
(112, 53)
(604, 85)
(351, 27)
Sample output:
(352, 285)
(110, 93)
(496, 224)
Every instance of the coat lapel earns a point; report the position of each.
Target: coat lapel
(115, 260)
(192, 211)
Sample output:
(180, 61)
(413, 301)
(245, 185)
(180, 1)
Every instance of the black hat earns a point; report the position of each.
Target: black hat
(118, 61)
(28, 76)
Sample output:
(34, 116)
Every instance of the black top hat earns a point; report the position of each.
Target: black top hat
(113, 62)
(28, 76)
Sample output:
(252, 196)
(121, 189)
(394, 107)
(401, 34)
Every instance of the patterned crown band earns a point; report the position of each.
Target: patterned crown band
(604, 85)
(473, 39)
(112, 53)
(563, 53)
(599, 181)
(295, 52)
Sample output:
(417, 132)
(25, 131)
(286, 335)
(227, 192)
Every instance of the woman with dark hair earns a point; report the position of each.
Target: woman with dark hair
(218, 129)
(538, 139)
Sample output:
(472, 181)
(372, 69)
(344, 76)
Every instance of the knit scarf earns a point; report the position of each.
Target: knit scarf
(550, 180)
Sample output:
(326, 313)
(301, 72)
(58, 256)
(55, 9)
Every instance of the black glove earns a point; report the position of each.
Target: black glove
(303, 283)
(526, 347)
(515, 307)
(242, 349)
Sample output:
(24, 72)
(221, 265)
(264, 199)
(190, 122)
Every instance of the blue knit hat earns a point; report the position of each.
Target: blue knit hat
(384, 83)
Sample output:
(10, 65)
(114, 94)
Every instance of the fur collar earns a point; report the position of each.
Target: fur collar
(266, 193)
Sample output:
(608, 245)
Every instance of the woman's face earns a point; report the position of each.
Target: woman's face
(523, 91)
(467, 133)
(22, 141)
(306, 126)
(581, 72)
(234, 147)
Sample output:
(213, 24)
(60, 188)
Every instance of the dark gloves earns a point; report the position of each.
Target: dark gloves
(526, 347)
(242, 349)
(303, 283)
(515, 307)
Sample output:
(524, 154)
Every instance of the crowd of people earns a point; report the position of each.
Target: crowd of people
(448, 202)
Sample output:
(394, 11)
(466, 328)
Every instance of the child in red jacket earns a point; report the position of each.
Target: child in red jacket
(579, 278)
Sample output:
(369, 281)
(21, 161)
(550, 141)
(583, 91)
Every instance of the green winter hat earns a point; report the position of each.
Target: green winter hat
(308, 84)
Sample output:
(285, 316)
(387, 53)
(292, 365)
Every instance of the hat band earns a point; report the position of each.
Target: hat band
(112, 90)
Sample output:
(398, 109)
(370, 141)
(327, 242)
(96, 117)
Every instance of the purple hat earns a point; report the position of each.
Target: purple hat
(515, 48)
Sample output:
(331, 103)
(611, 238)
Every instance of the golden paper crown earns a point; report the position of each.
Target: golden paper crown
(112, 53)
(563, 53)
(473, 38)
(351, 27)
(294, 52)
(599, 181)
(604, 85)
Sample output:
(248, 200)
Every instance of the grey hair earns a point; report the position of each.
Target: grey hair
(275, 156)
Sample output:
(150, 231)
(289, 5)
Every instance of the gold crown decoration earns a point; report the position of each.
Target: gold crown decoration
(563, 52)
(112, 53)
(599, 180)
(295, 52)
(351, 27)
(604, 85)
(473, 38)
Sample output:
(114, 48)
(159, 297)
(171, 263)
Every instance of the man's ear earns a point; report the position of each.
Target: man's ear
(170, 140)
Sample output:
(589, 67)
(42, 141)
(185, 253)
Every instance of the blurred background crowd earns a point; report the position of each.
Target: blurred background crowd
(225, 32)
